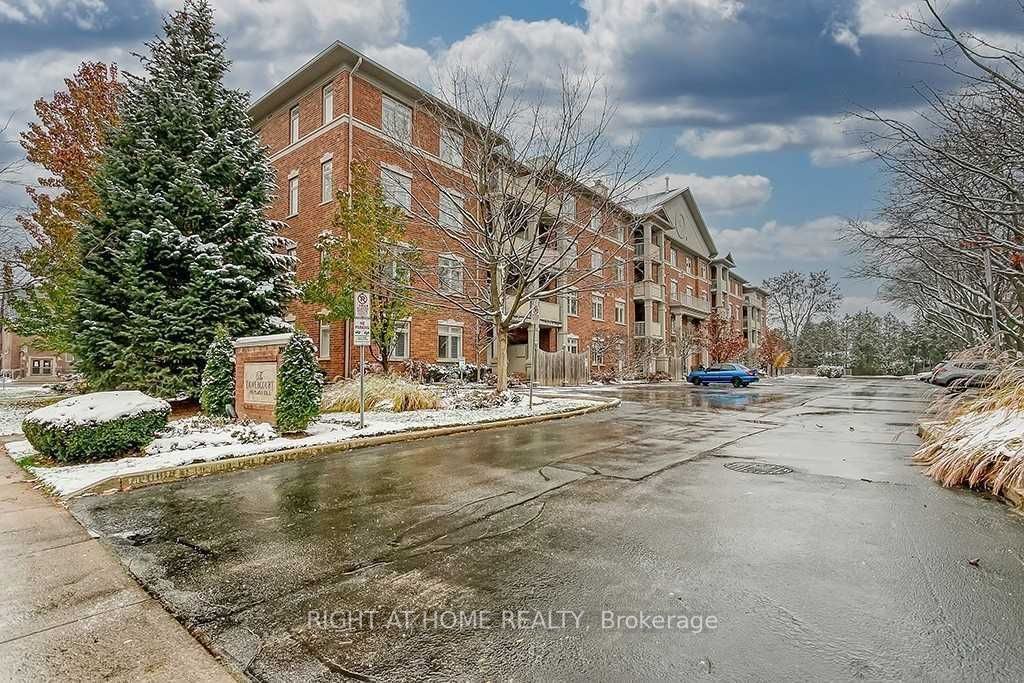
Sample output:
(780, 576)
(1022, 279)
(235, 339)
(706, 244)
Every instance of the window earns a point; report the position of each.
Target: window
(396, 119)
(328, 102)
(325, 341)
(596, 260)
(397, 188)
(400, 349)
(449, 342)
(451, 147)
(597, 307)
(597, 351)
(689, 265)
(572, 303)
(293, 124)
(672, 258)
(674, 289)
(620, 232)
(572, 343)
(293, 195)
(449, 274)
(326, 180)
(569, 206)
(450, 211)
(689, 292)
(595, 221)
(620, 270)
(620, 312)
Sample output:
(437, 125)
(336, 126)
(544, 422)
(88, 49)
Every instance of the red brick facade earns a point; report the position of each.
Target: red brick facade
(327, 138)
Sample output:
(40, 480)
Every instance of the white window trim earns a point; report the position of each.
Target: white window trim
(324, 350)
(452, 194)
(622, 303)
(573, 294)
(620, 263)
(597, 298)
(441, 147)
(326, 116)
(407, 322)
(462, 340)
(385, 98)
(294, 124)
(462, 274)
(293, 177)
(325, 159)
(573, 338)
(401, 172)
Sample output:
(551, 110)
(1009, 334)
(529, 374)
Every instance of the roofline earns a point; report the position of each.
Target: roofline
(335, 55)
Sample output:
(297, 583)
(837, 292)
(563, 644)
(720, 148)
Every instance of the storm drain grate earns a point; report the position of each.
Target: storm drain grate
(757, 468)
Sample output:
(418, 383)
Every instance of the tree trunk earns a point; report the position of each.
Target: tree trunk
(501, 357)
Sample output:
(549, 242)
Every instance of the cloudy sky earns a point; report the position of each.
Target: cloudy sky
(748, 95)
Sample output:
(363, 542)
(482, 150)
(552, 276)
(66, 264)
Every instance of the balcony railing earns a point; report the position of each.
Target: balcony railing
(646, 289)
(693, 303)
(550, 312)
(647, 329)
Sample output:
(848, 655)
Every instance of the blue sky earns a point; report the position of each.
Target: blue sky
(748, 96)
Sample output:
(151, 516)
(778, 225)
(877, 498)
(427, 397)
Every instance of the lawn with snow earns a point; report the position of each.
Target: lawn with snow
(17, 401)
(201, 440)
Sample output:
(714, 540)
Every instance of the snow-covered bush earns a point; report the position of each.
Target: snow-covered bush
(420, 371)
(202, 432)
(94, 426)
(481, 399)
(380, 392)
(217, 392)
(832, 371)
(300, 385)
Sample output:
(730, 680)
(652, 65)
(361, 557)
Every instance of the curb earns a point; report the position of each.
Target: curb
(929, 431)
(170, 474)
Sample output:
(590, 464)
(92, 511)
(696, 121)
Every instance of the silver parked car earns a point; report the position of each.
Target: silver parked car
(964, 373)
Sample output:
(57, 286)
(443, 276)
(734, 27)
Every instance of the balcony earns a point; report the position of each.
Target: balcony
(550, 312)
(692, 304)
(648, 290)
(647, 329)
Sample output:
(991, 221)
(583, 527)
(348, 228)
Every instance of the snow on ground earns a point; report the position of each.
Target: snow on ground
(216, 443)
(17, 401)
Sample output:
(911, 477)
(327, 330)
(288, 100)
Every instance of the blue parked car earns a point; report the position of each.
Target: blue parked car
(733, 373)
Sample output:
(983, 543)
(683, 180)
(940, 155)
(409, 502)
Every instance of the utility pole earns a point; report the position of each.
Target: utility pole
(990, 286)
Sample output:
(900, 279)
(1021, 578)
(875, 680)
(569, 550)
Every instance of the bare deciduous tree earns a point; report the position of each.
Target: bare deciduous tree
(955, 196)
(525, 196)
(797, 299)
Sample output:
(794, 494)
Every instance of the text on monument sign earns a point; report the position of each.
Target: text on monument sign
(260, 383)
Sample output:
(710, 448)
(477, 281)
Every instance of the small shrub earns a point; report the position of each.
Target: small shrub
(659, 376)
(95, 426)
(300, 385)
(604, 376)
(832, 371)
(481, 399)
(381, 392)
(217, 392)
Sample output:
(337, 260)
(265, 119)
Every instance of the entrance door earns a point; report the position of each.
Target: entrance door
(42, 367)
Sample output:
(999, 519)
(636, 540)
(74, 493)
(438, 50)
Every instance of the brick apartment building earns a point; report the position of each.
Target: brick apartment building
(657, 270)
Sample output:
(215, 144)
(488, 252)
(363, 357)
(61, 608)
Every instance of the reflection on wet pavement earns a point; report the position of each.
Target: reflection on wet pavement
(849, 566)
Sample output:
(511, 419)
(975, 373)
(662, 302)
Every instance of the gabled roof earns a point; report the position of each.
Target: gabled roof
(726, 260)
(652, 204)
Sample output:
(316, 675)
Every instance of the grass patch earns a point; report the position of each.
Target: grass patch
(381, 393)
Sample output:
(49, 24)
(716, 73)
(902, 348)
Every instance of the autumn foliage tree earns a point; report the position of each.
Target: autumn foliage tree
(773, 351)
(721, 339)
(67, 142)
(361, 252)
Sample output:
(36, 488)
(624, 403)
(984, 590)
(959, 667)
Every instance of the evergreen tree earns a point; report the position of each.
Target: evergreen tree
(300, 385)
(218, 388)
(180, 245)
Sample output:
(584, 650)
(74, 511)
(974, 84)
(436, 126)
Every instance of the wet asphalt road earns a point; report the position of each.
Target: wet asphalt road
(852, 566)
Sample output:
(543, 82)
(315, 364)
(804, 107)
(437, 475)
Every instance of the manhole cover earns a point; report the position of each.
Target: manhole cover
(757, 468)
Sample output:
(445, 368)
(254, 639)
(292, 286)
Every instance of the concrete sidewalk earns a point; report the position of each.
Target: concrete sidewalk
(70, 612)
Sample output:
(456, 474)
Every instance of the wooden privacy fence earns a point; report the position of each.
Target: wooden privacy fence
(562, 368)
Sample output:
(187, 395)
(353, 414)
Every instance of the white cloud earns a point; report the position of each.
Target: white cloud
(412, 63)
(843, 35)
(717, 194)
(84, 13)
(812, 241)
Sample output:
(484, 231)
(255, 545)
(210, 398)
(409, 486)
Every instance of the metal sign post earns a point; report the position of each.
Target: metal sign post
(361, 336)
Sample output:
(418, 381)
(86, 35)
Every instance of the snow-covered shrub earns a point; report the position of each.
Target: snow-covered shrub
(658, 376)
(72, 384)
(832, 371)
(94, 426)
(481, 399)
(300, 385)
(380, 392)
(434, 373)
(604, 376)
(202, 431)
(217, 392)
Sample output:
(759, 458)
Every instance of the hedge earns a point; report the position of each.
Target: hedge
(95, 426)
